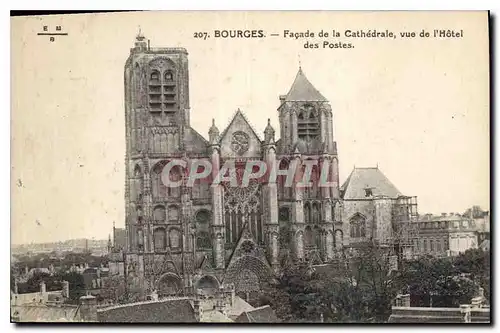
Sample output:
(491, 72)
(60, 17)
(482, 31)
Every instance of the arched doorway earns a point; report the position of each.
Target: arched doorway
(208, 285)
(249, 275)
(169, 284)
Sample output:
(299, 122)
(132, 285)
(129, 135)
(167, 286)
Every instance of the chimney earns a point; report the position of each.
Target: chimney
(43, 287)
(88, 308)
(282, 98)
(148, 45)
(65, 290)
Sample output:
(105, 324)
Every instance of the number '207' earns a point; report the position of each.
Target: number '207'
(202, 35)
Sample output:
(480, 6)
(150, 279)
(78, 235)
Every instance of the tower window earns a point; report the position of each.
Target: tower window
(308, 123)
(169, 76)
(368, 192)
(155, 76)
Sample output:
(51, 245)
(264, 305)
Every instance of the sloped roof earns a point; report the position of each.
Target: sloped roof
(303, 90)
(239, 306)
(44, 313)
(194, 141)
(264, 314)
(169, 311)
(239, 115)
(362, 178)
(214, 316)
(485, 245)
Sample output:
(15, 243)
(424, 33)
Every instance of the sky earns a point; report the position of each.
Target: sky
(418, 108)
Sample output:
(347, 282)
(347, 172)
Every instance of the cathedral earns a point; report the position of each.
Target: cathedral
(181, 239)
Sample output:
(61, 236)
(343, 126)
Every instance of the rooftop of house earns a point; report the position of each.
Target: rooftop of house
(368, 183)
(168, 311)
(45, 313)
(263, 314)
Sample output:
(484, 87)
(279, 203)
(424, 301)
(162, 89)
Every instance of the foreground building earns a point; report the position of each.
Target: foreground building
(186, 238)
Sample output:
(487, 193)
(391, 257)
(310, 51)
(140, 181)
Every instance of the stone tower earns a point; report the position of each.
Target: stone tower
(157, 114)
(306, 127)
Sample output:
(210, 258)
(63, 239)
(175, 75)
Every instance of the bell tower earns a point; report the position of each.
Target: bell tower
(306, 125)
(156, 118)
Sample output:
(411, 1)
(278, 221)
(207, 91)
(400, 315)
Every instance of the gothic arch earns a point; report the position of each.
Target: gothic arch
(160, 239)
(159, 189)
(169, 284)
(137, 171)
(173, 214)
(208, 283)
(168, 75)
(316, 212)
(307, 213)
(202, 223)
(247, 270)
(357, 226)
(154, 76)
(159, 214)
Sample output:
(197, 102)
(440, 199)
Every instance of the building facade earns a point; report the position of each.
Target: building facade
(180, 239)
(450, 234)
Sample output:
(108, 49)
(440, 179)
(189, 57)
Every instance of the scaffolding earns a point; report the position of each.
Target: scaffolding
(405, 226)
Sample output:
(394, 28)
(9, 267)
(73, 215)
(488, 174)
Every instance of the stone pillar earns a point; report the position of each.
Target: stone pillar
(271, 203)
(217, 213)
(329, 244)
(334, 177)
(298, 214)
(295, 135)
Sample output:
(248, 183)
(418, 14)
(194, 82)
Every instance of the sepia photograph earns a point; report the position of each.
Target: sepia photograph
(323, 167)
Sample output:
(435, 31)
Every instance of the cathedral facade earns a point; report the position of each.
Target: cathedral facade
(186, 238)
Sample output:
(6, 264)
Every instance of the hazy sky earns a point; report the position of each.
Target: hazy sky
(419, 108)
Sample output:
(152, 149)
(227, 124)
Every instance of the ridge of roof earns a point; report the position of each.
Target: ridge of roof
(240, 113)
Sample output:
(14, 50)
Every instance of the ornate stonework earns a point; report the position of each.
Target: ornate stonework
(240, 240)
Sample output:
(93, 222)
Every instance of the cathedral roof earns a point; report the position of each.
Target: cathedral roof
(303, 90)
(361, 179)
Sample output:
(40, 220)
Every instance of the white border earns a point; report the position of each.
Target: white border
(189, 5)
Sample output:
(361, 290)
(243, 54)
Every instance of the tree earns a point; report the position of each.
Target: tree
(477, 264)
(76, 286)
(451, 291)
(359, 290)
(114, 289)
(476, 211)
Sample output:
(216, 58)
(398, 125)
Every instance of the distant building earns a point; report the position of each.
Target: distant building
(450, 234)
